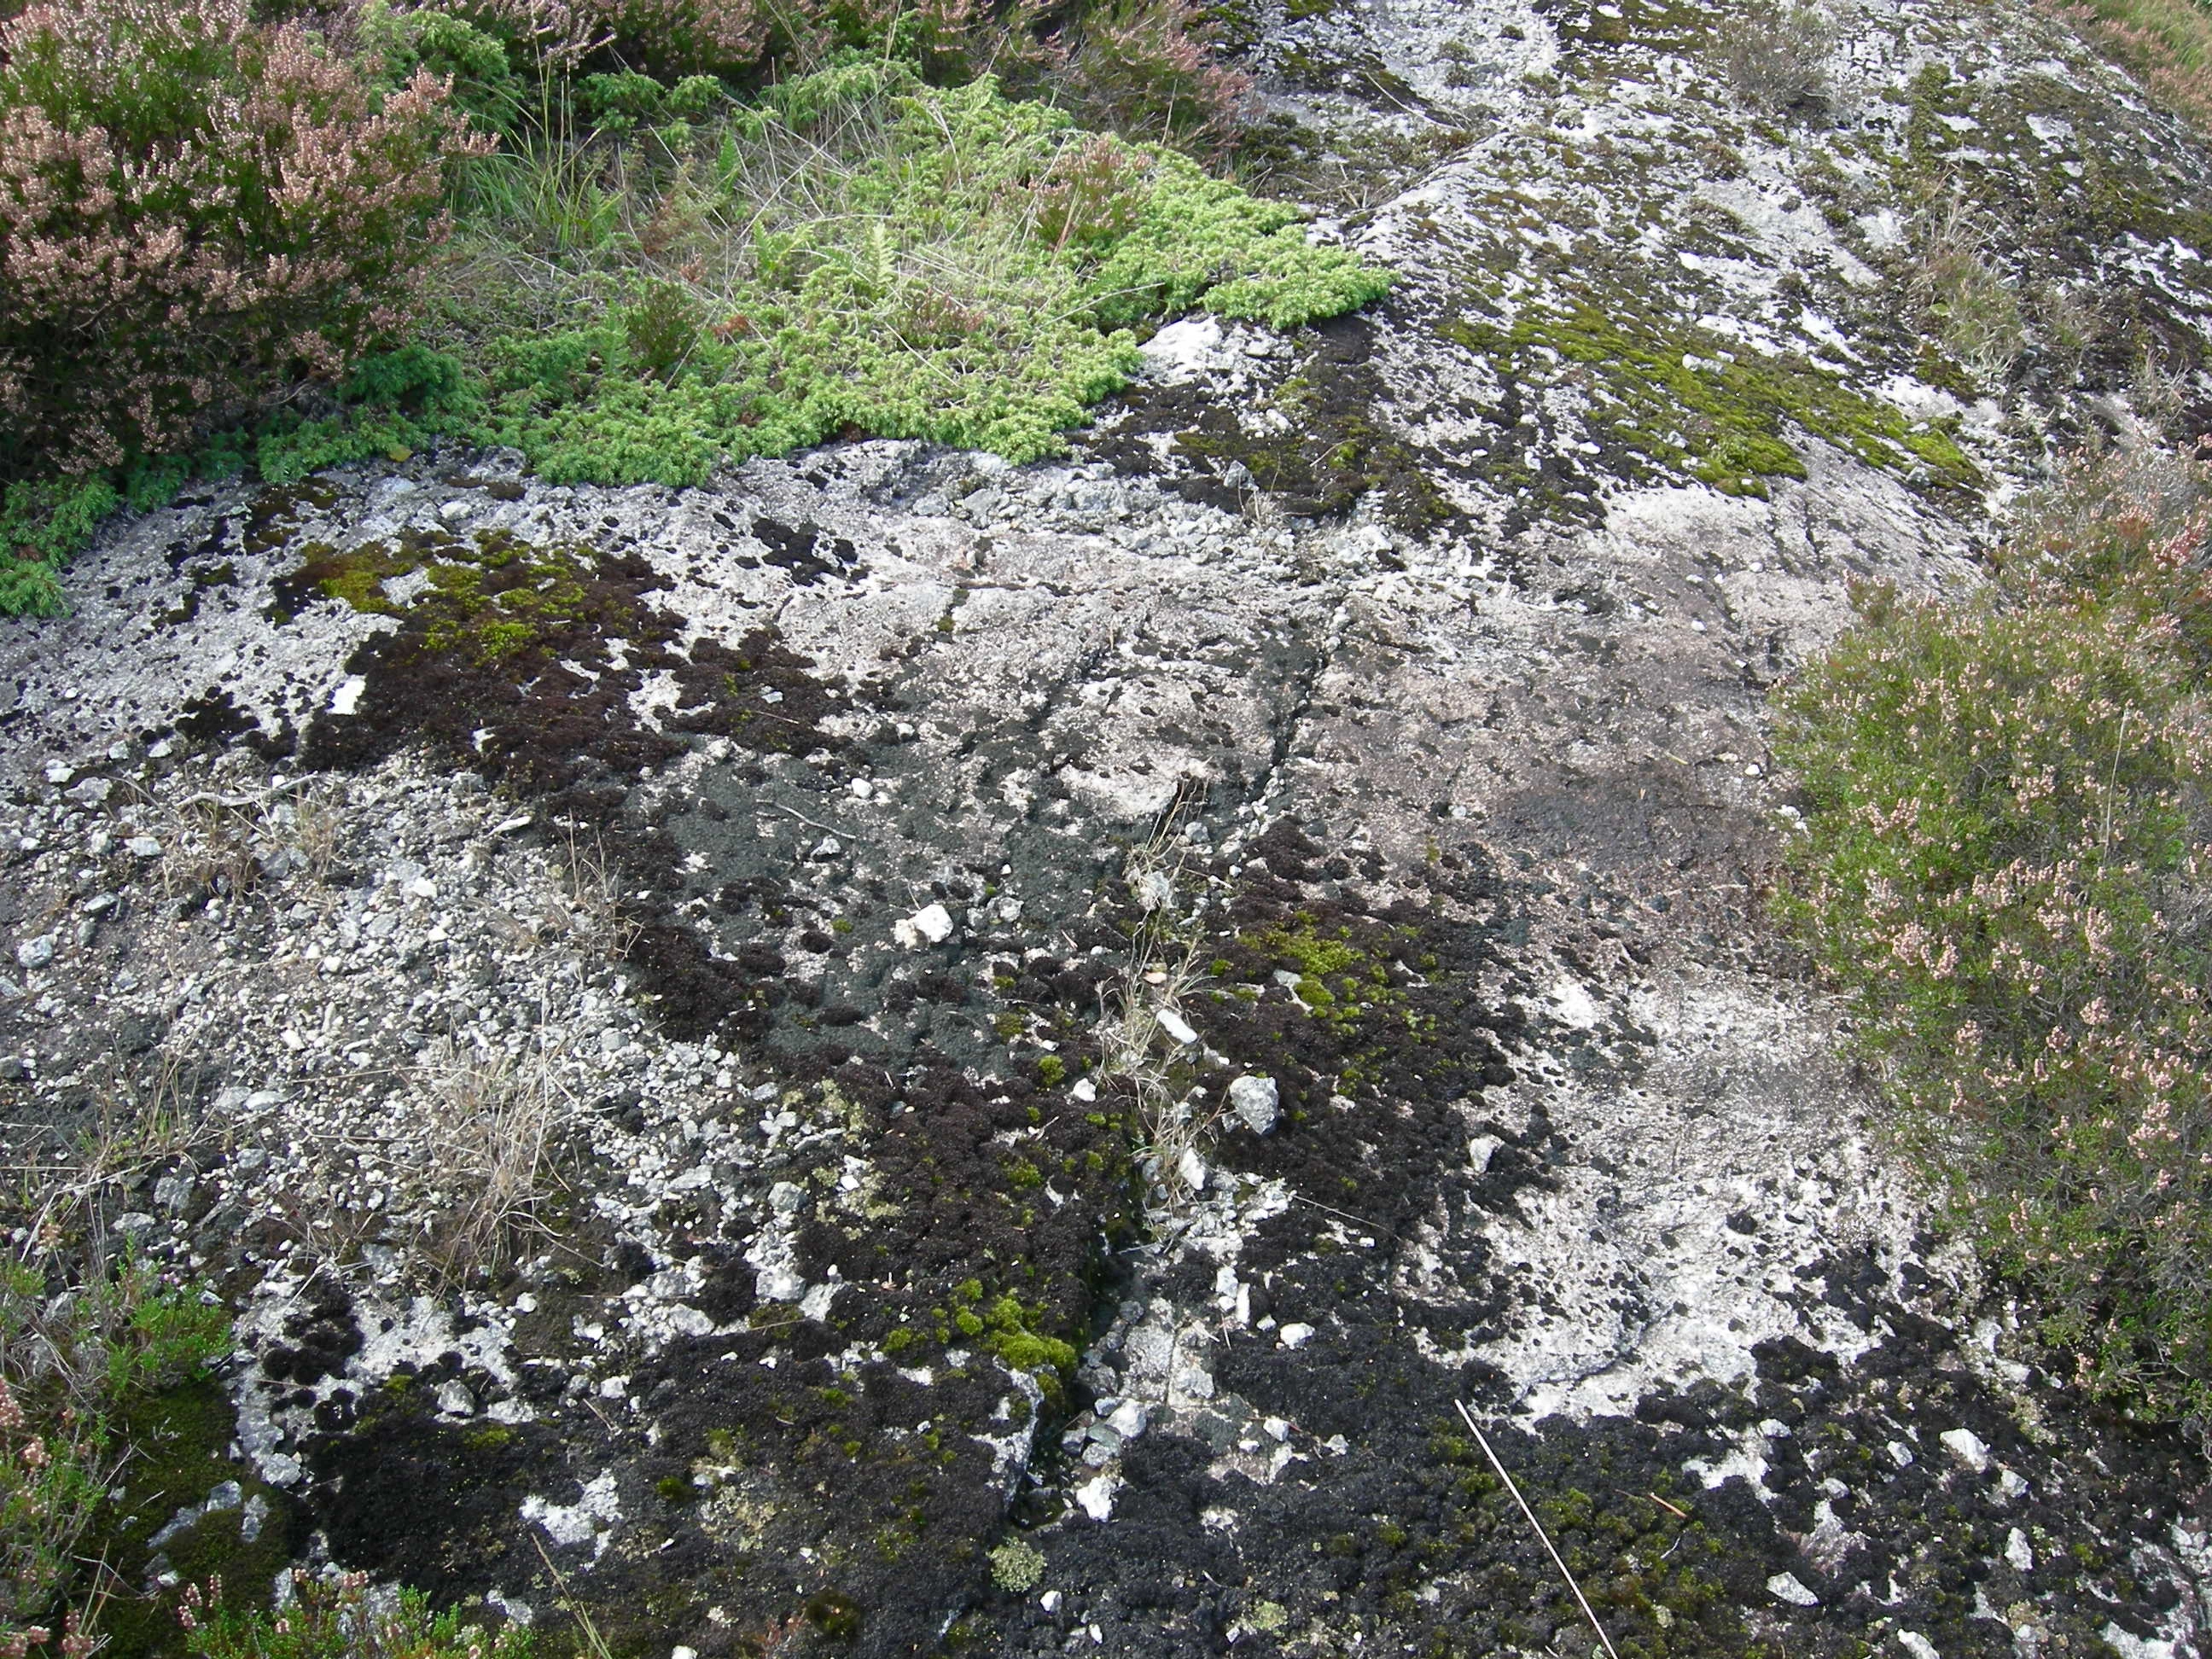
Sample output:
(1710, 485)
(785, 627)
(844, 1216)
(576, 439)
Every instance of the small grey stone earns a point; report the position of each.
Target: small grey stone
(1218, 1431)
(1256, 1102)
(931, 924)
(1967, 1447)
(182, 1519)
(455, 1400)
(1097, 1378)
(35, 953)
(134, 1221)
(143, 847)
(1785, 1586)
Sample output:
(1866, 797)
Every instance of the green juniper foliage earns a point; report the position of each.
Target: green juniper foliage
(858, 251)
(650, 277)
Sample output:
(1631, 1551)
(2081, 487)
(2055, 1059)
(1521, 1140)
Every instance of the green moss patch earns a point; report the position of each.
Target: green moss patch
(1680, 399)
(179, 1442)
(491, 599)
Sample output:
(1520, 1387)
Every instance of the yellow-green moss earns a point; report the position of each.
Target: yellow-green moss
(1726, 422)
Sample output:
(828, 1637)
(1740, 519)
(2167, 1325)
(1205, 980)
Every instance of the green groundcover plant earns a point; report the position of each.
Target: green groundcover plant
(2006, 862)
(650, 277)
(336, 1620)
(70, 1365)
(857, 252)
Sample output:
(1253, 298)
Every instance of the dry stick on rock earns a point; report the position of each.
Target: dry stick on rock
(1535, 1526)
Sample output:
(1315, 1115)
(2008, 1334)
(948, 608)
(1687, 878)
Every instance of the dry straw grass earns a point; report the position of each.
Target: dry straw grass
(1137, 1046)
(496, 1121)
(2167, 43)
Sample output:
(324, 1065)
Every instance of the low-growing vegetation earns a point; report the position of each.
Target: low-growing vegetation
(636, 239)
(1776, 58)
(2167, 42)
(2006, 864)
(336, 1619)
(73, 1362)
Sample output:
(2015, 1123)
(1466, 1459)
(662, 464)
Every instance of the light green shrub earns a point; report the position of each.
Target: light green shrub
(861, 252)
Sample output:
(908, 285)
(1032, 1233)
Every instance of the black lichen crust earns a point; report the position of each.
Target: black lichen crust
(505, 665)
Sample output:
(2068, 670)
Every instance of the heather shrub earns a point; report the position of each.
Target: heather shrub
(2006, 864)
(666, 38)
(335, 1619)
(1147, 67)
(197, 212)
(70, 1365)
(2168, 43)
(1144, 67)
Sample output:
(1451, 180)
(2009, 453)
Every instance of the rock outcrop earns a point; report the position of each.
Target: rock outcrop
(897, 1051)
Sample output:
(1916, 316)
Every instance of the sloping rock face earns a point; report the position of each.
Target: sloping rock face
(899, 1054)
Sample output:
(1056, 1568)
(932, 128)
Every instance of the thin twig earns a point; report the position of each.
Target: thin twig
(1482, 1440)
(1342, 1215)
(2111, 786)
(827, 829)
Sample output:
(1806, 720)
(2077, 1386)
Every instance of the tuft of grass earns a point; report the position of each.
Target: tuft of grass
(2006, 864)
(1973, 305)
(2167, 43)
(1138, 1050)
(498, 1118)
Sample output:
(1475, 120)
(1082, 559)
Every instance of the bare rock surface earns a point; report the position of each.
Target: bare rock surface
(741, 1053)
